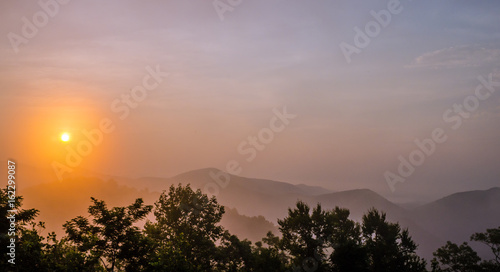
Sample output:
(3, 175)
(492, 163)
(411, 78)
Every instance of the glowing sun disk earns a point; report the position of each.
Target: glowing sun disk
(65, 137)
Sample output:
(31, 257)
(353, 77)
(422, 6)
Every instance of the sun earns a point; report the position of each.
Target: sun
(65, 137)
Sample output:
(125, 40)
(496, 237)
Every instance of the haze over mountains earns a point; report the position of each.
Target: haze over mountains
(254, 205)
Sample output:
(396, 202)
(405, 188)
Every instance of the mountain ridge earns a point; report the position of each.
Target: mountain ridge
(453, 217)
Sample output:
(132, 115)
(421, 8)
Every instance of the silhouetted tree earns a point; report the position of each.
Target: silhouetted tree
(111, 236)
(268, 258)
(60, 256)
(454, 258)
(389, 248)
(349, 253)
(187, 236)
(187, 225)
(33, 251)
(491, 238)
(376, 245)
(17, 223)
(305, 237)
(234, 254)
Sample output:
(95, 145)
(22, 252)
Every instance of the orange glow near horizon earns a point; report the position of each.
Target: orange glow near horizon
(41, 131)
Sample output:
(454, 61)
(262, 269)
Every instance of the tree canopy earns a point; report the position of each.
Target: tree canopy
(182, 232)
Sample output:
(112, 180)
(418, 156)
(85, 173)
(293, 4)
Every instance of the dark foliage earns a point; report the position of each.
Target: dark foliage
(186, 235)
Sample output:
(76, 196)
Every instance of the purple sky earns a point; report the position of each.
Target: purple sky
(225, 77)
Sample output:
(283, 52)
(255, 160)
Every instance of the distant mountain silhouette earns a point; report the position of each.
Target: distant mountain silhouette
(254, 205)
(454, 218)
(358, 201)
(199, 178)
(245, 227)
(59, 202)
(462, 213)
(28, 175)
(458, 216)
(252, 197)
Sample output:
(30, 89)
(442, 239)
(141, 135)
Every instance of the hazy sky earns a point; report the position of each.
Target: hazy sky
(225, 77)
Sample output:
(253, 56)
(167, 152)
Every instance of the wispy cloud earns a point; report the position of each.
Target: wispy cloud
(458, 56)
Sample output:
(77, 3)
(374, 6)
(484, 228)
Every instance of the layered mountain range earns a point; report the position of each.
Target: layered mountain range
(253, 206)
